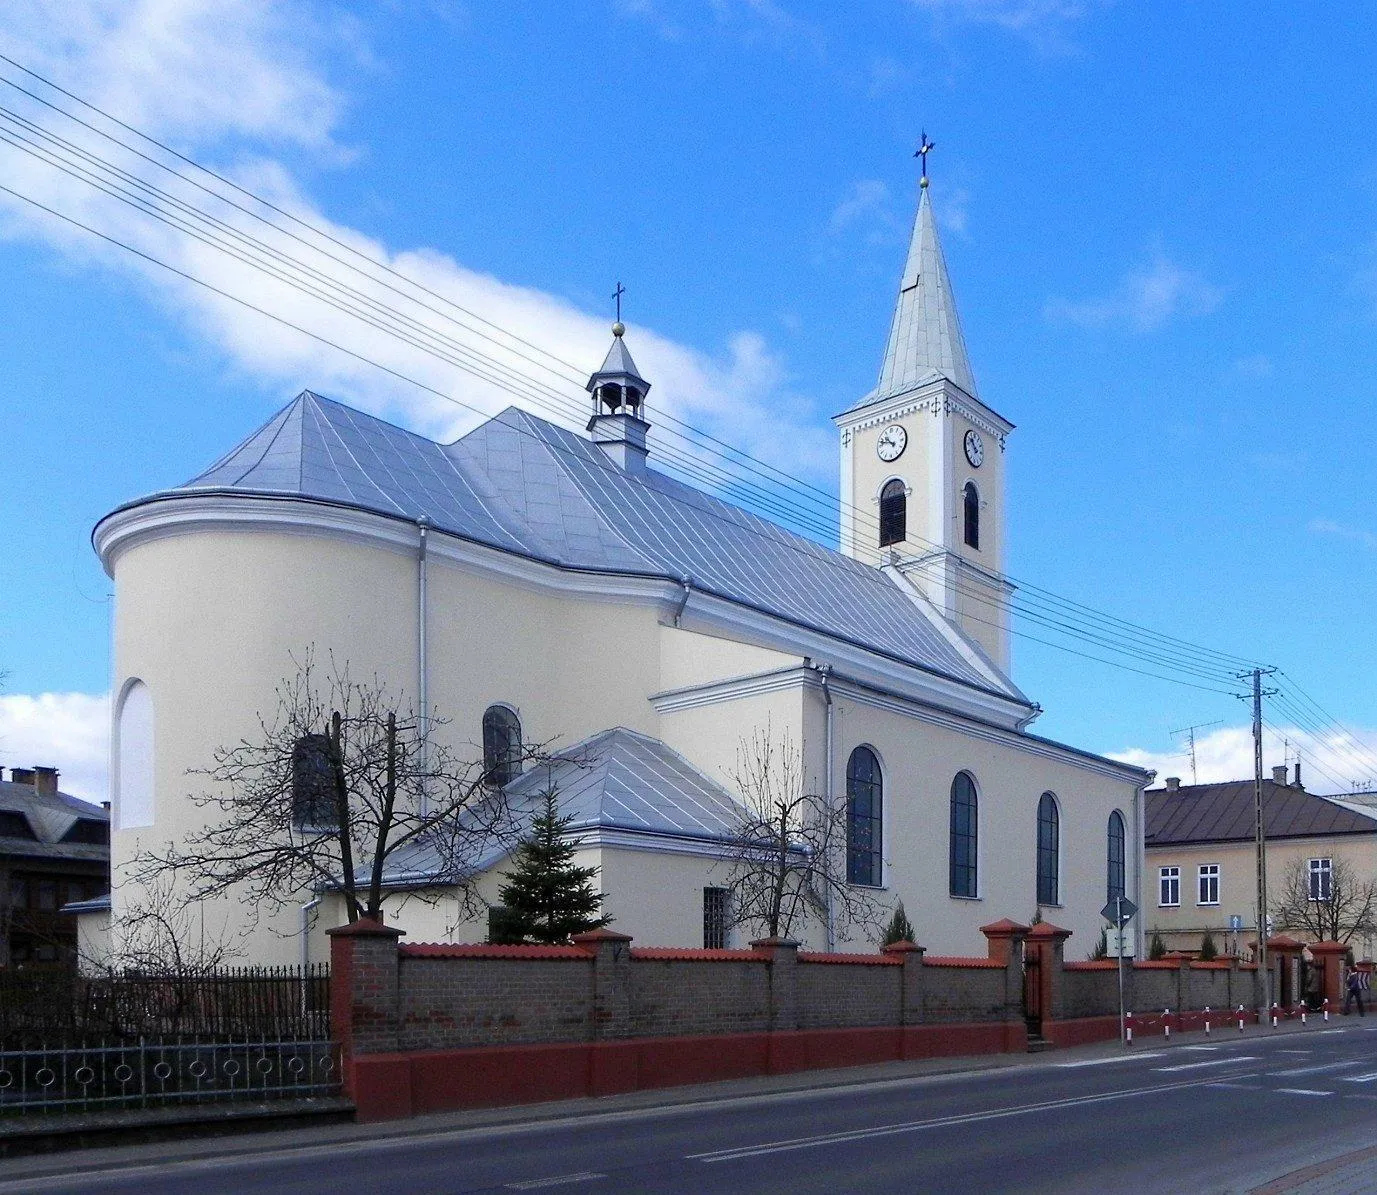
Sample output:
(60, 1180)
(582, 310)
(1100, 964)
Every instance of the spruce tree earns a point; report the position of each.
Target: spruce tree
(1156, 948)
(900, 928)
(546, 898)
(1208, 950)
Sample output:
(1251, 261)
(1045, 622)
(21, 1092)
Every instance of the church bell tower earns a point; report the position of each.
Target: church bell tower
(922, 456)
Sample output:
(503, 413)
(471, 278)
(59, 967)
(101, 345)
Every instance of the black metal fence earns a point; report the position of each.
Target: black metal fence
(57, 1006)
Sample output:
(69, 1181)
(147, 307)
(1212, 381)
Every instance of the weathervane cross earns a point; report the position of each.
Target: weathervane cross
(617, 295)
(925, 147)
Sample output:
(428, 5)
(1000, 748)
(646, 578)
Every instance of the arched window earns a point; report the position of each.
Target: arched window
(313, 784)
(864, 806)
(963, 835)
(970, 501)
(501, 745)
(1049, 851)
(134, 757)
(1114, 884)
(893, 513)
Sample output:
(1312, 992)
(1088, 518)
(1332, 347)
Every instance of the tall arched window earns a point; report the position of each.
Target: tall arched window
(970, 501)
(893, 513)
(963, 832)
(1114, 884)
(501, 745)
(864, 806)
(134, 757)
(1049, 851)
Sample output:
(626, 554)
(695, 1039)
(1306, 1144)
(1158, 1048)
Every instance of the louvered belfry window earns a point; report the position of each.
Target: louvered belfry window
(893, 513)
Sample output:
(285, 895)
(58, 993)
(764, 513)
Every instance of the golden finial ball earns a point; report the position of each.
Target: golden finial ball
(619, 329)
(923, 182)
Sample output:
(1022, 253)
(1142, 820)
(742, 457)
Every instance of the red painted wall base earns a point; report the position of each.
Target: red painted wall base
(391, 1086)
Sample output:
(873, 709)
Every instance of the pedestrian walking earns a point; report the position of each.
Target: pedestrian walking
(1355, 991)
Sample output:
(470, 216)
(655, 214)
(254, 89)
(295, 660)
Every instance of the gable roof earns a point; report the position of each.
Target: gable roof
(618, 779)
(524, 485)
(1201, 813)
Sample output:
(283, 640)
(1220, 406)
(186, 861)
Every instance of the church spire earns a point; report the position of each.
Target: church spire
(925, 336)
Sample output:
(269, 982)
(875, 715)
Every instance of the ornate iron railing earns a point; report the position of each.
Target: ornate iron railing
(148, 1074)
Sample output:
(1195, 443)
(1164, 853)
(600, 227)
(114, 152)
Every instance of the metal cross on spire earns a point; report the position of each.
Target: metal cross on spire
(617, 295)
(925, 147)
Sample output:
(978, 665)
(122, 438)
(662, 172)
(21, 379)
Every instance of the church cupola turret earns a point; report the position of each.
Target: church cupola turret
(618, 425)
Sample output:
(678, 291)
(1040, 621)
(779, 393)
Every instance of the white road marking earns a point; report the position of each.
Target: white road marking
(1315, 1070)
(1190, 1066)
(913, 1126)
(1295, 1051)
(1368, 1078)
(1107, 1061)
(560, 1180)
(1197, 1047)
(1300, 1091)
(1236, 1086)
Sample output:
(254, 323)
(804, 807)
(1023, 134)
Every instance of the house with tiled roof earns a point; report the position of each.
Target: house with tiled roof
(1201, 856)
(532, 582)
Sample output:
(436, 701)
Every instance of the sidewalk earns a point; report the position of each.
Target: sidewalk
(247, 1144)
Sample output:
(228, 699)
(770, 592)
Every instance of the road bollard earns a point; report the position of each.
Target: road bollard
(1274, 1014)
(1207, 1020)
(1303, 1010)
(1240, 1018)
(1128, 1029)
(1166, 1023)
(1326, 1009)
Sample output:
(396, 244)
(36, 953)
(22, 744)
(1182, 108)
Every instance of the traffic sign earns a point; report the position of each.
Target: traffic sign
(1119, 911)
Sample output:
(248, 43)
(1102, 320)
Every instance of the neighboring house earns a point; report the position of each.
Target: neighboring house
(537, 584)
(54, 850)
(1202, 859)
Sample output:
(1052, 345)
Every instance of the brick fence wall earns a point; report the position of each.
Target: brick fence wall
(429, 1027)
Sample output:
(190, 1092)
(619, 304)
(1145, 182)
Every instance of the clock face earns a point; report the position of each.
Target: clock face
(975, 448)
(893, 440)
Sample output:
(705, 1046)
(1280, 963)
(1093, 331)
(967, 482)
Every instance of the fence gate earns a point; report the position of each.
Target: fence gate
(1032, 991)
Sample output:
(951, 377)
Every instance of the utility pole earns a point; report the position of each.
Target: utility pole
(1261, 836)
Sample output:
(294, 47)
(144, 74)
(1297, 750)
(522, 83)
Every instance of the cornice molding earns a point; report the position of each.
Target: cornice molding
(939, 397)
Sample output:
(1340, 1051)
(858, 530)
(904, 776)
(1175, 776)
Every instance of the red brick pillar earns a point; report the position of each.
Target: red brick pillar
(364, 1010)
(1286, 952)
(611, 953)
(910, 981)
(1005, 941)
(783, 956)
(1049, 941)
(1329, 957)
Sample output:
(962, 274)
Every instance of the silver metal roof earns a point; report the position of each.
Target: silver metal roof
(524, 485)
(618, 363)
(50, 817)
(618, 779)
(925, 340)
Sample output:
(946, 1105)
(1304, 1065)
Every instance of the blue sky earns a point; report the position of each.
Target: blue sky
(1161, 223)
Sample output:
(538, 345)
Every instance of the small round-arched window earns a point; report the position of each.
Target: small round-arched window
(501, 745)
(1114, 883)
(970, 503)
(964, 810)
(1049, 850)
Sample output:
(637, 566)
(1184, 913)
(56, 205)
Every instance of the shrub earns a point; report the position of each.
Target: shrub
(1208, 950)
(899, 929)
(1157, 948)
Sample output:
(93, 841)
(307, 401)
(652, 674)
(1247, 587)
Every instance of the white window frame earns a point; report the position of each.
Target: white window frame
(1321, 869)
(1166, 876)
(1207, 884)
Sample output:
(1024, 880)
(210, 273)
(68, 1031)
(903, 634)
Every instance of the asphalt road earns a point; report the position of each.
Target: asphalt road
(1222, 1116)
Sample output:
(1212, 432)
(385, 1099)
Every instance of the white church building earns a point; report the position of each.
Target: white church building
(559, 586)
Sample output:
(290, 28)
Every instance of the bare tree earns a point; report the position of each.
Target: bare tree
(786, 861)
(1338, 913)
(336, 790)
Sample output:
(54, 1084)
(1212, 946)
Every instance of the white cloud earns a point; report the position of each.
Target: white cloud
(238, 81)
(1329, 764)
(1041, 22)
(869, 197)
(1358, 535)
(1254, 368)
(68, 731)
(1146, 298)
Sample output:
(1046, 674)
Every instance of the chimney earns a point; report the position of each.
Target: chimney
(45, 781)
(1279, 774)
(1298, 776)
(21, 776)
(1173, 784)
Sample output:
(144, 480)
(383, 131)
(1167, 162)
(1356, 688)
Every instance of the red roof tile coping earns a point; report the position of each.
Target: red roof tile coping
(364, 927)
(690, 955)
(950, 960)
(863, 960)
(1004, 925)
(486, 950)
(1156, 964)
(1045, 929)
(1097, 964)
(1211, 965)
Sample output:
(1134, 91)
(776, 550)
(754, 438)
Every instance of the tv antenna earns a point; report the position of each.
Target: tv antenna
(1189, 732)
